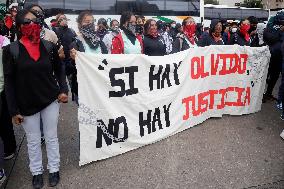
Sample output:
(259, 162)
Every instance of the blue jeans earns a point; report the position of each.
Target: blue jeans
(31, 126)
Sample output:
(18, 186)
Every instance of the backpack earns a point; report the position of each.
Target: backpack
(14, 48)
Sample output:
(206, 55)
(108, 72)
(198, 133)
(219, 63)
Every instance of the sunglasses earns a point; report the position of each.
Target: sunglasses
(29, 21)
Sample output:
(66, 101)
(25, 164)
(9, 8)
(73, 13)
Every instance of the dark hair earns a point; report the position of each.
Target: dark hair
(34, 5)
(58, 16)
(20, 17)
(147, 25)
(125, 17)
(20, 20)
(112, 21)
(82, 15)
(103, 22)
(253, 20)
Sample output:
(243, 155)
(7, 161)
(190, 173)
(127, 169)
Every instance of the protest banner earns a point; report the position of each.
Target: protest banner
(128, 101)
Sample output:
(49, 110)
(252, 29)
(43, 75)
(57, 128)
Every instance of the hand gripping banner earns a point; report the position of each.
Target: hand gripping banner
(129, 101)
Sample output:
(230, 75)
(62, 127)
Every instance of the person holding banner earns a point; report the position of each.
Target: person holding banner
(87, 41)
(154, 44)
(188, 38)
(215, 35)
(127, 42)
(35, 84)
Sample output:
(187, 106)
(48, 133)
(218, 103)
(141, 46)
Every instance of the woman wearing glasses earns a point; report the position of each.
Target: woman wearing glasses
(34, 86)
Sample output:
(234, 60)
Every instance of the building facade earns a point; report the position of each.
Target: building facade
(273, 4)
(230, 3)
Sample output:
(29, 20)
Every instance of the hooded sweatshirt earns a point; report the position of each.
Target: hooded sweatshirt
(209, 39)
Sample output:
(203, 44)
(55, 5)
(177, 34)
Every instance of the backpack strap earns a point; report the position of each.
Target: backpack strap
(14, 49)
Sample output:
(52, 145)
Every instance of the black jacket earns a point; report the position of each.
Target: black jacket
(238, 38)
(65, 36)
(209, 40)
(181, 44)
(154, 46)
(273, 39)
(254, 40)
(31, 85)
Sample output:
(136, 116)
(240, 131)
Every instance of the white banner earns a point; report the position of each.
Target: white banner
(128, 101)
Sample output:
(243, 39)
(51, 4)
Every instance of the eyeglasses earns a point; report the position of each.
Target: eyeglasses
(29, 21)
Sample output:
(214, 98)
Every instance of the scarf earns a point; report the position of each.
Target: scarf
(90, 36)
(31, 39)
(8, 22)
(130, 35)
(216, 36)
(153, 32)
(189, 31)
(244, 31)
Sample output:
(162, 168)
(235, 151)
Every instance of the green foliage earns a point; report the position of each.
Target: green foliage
(213, 2)
(252, 4)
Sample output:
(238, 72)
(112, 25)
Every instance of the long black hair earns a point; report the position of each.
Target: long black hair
(125, 17)
(147, 25)
(20, 20)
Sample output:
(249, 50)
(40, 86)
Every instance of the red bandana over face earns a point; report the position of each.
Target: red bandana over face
(31, 38)
(244, 31)
(189, 31)
(153, 32)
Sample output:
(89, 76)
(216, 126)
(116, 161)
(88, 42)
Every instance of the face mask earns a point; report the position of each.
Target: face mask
(245, 27)
(63, 23)
(88, 27)
(189, 30)
(244, 31)
(32, 32)
(252, 28)
(234, 30)
(139, 29)
(173, 25)
(153, 32)
(101, 32)
(132, 28)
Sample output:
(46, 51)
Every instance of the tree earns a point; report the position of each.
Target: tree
(252, 4)
(213, 2)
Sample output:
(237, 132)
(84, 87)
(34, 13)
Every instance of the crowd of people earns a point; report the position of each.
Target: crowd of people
(38, 58)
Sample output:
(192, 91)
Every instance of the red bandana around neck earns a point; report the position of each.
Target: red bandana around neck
(153, 32)
(244, 31)
(189, 31)
(216, 36)
(31, 39)
(9, 22)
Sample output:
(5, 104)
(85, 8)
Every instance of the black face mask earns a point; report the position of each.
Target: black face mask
(40, 16)
(89, 27)
(252, 28)
(139, 29)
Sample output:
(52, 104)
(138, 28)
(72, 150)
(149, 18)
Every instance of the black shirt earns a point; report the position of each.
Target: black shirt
(237, 38)
(154, 46)
(30, 85)
(209, 40)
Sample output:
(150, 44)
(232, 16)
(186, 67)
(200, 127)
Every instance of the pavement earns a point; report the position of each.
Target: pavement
(232, 152)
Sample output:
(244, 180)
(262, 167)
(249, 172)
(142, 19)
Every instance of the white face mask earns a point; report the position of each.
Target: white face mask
(234, 30)
(173, 25)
